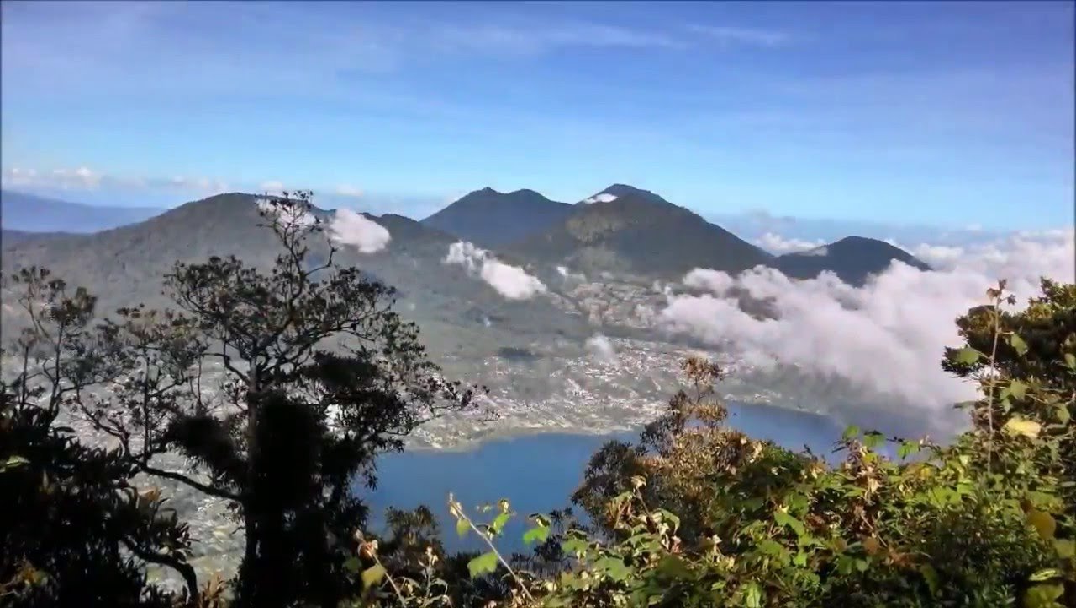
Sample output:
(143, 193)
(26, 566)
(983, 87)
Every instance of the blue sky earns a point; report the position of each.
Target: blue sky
(936, 113)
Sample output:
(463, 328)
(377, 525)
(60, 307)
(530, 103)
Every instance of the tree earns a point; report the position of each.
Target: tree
(1027, 358)
(318, 375)
(75, 531)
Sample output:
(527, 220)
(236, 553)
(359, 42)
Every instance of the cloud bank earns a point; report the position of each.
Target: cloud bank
(354, 229)
(510, 281)
(887, 337)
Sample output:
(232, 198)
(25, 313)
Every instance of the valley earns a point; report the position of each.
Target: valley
(585, 356)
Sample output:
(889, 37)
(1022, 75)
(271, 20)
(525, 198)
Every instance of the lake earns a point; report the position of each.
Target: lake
(538, 473)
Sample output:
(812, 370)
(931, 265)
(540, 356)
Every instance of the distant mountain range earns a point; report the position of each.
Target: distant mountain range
(126, 265)
(620, 230)
(626, 230)
(32, 213)
(623, 229)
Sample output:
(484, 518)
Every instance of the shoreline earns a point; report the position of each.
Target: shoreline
(510, 433)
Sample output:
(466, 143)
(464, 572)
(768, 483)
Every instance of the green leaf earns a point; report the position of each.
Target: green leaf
(873, 439)
(1066, 549)
(968, 356)
(613, 567)
(752, 595)
(574, 545)
(372, 576)
(851, 432)
(462, 527)
(1017, 389)
(1020, 426)
(483, 564)
(907, 448)
(930, 575)
(498, 523)
(352, 564)
(768, 546)
(1018, 344)
(538, 534)
(1044, 575)
(12, 462)
(1043, 596)
(785, 519)
(1070, 360)
(1063, 415)
(673, 567)
(1043, 523)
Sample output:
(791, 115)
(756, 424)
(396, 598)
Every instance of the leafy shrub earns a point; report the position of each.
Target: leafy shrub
(698, 514)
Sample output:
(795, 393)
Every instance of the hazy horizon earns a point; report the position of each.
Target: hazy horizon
(900, 113)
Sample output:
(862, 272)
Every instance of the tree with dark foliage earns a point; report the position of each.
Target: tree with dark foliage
(75, 532)
(320, 376)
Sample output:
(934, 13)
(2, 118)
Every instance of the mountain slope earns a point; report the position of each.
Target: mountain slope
(126, 265)
(627, 230)
(853, 259)
(32, 213)
(129, 261)
(490, 219)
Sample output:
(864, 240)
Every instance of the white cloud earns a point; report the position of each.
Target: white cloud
(711, 280)
(603, 197)
(777, 244)
(65, 179)
(84, 178)
(510, 281)
(354, 229)
(602, 349)
(937, 256)
(502, 39)
(742, 36)
(886, 337)
(271, 187)
(820, 252)
(17, 176)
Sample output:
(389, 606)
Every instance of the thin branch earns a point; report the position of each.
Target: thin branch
(183, 568)
(201, 487)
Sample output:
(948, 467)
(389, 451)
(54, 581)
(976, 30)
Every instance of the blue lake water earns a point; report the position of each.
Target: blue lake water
(538, 473)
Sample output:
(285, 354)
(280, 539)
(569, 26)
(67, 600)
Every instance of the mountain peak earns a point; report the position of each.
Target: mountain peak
(854, 259)
(619, 190)
(625, 189)
(489, 218)
(623, 229)
(859, 240)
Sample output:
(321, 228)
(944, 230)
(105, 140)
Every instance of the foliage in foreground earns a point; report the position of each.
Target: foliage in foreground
(701, 515)
(695, 514)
